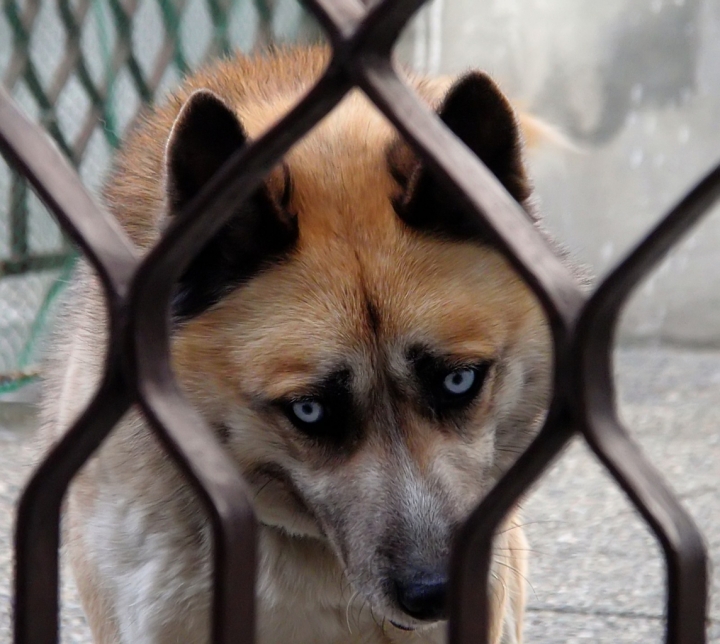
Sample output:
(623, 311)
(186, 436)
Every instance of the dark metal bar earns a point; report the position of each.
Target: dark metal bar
(181, 428)
(37, 532)
(97, 233)
(105, 245)
(501, 218)
(138, 362)
(675, 530)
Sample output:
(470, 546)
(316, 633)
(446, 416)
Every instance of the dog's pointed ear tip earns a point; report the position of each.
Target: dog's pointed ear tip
(202, 98)
(475, 78)
(202, 106)
(477, 91)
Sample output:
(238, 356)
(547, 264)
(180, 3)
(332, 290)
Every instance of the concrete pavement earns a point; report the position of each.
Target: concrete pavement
(595, 570)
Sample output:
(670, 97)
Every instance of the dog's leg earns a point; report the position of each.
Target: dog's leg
(508, 584)
(517, 579)
(96, 602)
(139, 584)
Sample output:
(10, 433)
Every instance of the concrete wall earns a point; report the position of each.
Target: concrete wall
(635, 87)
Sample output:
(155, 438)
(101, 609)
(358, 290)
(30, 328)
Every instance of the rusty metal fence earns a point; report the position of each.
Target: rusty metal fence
(137, 369)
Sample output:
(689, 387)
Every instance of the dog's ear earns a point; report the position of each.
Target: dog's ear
(481, 117)
(204, 136)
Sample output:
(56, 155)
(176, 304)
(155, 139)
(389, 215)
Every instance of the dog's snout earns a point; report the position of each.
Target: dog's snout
(423, 596)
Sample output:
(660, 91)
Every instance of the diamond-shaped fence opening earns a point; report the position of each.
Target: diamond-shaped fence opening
(43, 236)
(244, 23)
(195, 31)
(47, 45)
(96, 160)
(126, 98)
(83, 69)
(151, 45)
(581, 544)
(71, 101)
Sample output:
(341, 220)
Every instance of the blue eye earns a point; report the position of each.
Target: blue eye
(308, 411)
(460, 381)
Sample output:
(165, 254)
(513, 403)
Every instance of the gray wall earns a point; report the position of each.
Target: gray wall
(634, 85)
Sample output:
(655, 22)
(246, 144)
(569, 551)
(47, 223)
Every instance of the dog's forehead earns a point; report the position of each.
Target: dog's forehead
(360, 274)
(362, 309)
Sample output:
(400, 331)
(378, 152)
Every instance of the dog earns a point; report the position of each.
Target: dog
(370, 367)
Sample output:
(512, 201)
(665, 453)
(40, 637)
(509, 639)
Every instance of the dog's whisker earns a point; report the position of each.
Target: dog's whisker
(372, 614)
(520, 574)
(516, 526)
(345, 584)
(347, 611)
(499, 551)
(262, 487)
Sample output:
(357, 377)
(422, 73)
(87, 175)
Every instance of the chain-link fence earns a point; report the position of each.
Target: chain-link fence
(83, 69)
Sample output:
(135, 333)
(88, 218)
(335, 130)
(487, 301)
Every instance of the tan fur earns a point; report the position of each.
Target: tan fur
(135, 533)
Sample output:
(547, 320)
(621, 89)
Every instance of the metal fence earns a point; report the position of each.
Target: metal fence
(83, 69)
(137, 369)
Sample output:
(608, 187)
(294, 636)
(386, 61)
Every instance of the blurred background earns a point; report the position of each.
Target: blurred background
(632, 85)
(633, 89)
(83, 69)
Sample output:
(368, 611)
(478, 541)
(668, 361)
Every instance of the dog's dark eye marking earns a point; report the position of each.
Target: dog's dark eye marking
(400, 177)
(326, 411)
(223, 432)
(287, 187)
(446, 385)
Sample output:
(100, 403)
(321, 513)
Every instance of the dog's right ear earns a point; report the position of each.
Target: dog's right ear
(477, 112)
(206, 133)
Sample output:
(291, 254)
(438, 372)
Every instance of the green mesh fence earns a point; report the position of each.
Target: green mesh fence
(83, 68)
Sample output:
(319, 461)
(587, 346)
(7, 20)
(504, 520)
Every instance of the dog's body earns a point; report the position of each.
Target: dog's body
(371, 370)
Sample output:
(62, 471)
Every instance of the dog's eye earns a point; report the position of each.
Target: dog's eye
(454, 389)
(322, 411)
(321, 419)
(308, 411)
(460, 381)
(448, 385)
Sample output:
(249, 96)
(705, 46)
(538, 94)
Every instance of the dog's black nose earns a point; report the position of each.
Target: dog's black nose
(423, 596)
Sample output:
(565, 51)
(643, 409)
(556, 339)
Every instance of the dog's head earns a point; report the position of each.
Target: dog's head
(371, 366)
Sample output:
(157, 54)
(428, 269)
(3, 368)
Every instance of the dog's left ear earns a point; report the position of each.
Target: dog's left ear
(482, 118)
(205, 135)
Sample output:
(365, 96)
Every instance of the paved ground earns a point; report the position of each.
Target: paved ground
(595, 572)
